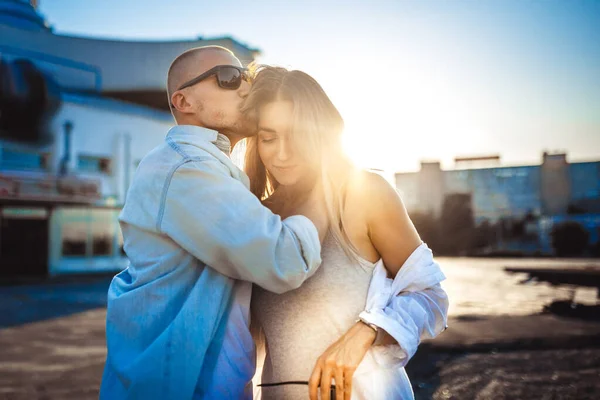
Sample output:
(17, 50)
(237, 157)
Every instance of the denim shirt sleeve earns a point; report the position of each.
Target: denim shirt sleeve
(219, 221)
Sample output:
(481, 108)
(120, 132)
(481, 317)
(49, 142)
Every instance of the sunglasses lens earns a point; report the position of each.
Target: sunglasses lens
(229, 78)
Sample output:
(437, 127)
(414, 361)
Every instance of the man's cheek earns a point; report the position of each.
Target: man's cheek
(218, 115)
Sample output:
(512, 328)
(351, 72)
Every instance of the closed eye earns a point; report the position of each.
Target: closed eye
(266, 135)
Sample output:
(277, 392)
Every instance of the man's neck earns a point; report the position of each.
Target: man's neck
(233, 138)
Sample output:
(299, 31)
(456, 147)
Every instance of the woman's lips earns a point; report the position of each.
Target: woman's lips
(285, 168)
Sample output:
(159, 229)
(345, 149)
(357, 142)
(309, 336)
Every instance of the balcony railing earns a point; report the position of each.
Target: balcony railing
(67, 189)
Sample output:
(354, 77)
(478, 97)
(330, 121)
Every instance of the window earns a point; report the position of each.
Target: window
(23, 160)
(74, 232)
(86, 163)
(88, 232)
(102, 227)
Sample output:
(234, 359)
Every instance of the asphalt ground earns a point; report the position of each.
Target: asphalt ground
(53, 347)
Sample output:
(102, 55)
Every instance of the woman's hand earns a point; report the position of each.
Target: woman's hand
(340, 361)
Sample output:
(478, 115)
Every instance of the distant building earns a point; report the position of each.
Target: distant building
(548, 192)
(76, 117)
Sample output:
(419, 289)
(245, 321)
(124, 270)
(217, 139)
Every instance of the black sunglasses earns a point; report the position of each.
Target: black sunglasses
(228, 77)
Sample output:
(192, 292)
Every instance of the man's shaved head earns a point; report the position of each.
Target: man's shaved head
(188, 63)
(205, 103)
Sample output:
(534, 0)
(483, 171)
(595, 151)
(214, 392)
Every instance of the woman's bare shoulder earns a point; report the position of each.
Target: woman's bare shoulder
(368, 188)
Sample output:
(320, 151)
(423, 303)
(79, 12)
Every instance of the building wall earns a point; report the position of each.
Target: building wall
(499, 192)
(106, 130)
(555, 184)
(407, 186)
(80, 63)
(591, 222)
(113, 130)
(431, 188)
(546, 189)
(495, 191)
(21, 13)
(87, 238)
(551, 191)
(585, 180)
(107, 139)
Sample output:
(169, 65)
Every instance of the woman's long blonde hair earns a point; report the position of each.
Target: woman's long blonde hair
(316, 133)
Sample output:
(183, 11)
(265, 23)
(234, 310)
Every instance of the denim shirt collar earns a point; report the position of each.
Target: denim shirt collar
(200, 136)
(212, 142)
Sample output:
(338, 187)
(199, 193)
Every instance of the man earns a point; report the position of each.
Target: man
(177, 323)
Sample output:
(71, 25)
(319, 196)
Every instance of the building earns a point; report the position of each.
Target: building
(76, 117)
(541, 195)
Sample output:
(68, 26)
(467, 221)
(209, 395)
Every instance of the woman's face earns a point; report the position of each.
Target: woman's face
(275, 144)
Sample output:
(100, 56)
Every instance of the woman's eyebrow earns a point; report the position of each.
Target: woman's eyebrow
(266, 129)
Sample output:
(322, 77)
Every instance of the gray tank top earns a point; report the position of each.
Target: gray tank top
(301, 324)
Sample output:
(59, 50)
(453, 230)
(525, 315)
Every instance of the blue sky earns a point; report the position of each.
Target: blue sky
(413, 80)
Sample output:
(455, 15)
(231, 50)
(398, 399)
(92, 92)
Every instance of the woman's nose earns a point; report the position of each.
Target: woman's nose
(284, 152)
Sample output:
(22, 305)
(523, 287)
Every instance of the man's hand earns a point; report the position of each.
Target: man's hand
(340, 361)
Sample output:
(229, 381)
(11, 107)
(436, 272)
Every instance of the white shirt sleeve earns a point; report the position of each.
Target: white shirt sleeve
(411, 307)
(219, 221)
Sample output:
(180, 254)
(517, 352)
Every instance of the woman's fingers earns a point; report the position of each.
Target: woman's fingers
(348, 375)
(340, 361)
(313, 383)
(339, 383)
(326, 379)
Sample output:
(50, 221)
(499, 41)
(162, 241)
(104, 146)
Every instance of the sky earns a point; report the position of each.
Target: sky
(414, 80)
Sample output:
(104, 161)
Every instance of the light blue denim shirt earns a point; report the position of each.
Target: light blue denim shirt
(191, 229)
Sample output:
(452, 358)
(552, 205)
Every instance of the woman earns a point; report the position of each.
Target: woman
(312, 332)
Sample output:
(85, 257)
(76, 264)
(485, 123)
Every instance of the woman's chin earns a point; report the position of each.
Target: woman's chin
(287, 181)
(286, 178)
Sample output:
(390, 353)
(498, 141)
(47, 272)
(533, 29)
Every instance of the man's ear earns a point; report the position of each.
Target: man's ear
(179, 102)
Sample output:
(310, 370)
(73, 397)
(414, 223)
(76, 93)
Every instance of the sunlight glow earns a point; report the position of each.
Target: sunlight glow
(423, 116)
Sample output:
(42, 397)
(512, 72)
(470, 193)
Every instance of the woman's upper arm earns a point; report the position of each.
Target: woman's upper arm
(391, 231)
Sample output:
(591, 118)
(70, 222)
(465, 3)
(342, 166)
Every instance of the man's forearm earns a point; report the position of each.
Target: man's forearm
(237, 236)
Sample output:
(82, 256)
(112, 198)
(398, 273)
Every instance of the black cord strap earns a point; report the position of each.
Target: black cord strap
(284, 383)
(332, 390)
